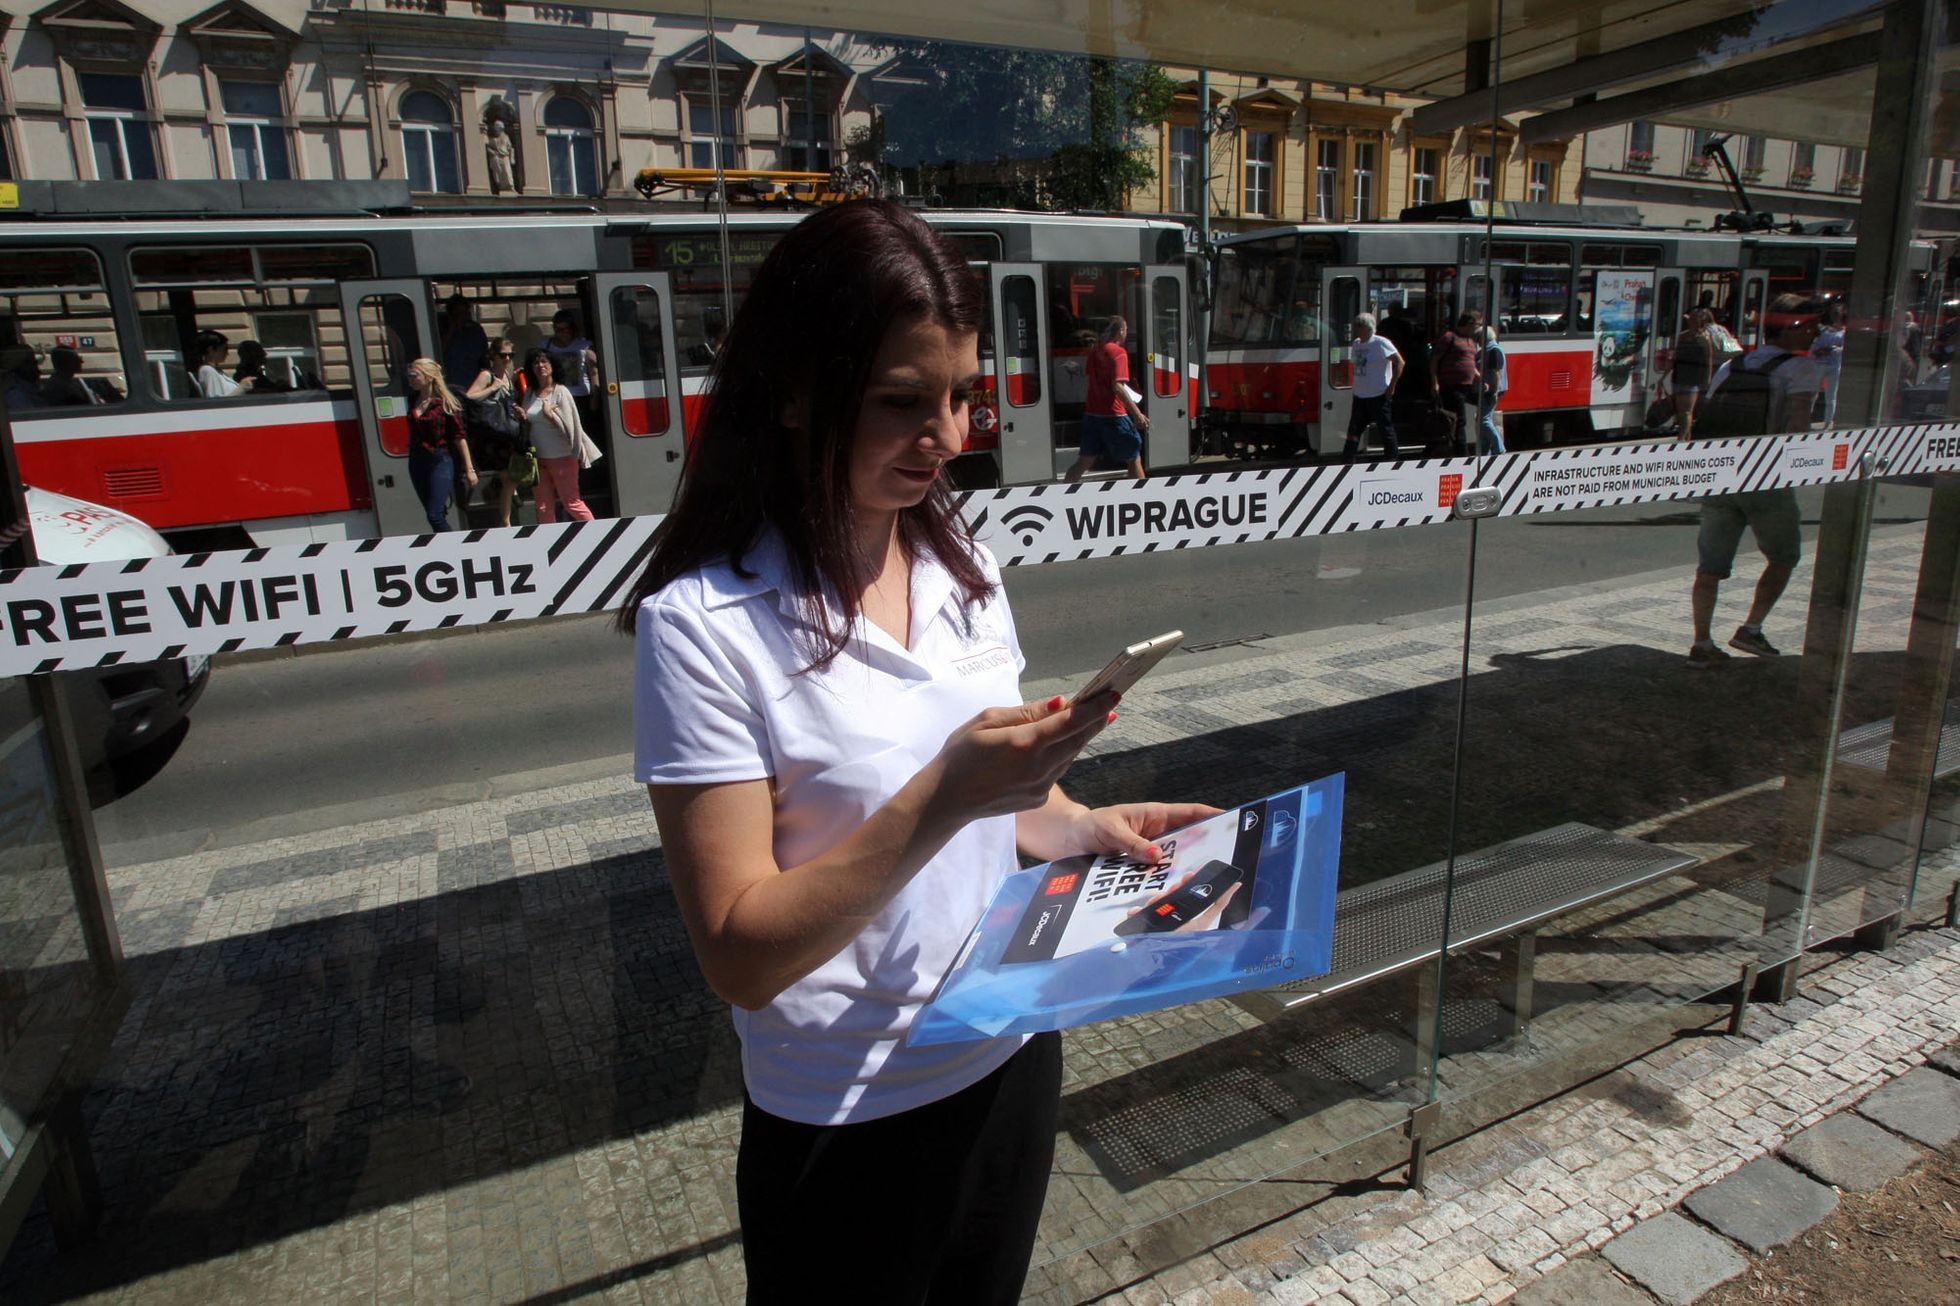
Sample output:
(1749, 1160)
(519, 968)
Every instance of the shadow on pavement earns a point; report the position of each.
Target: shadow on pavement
(340, 1060)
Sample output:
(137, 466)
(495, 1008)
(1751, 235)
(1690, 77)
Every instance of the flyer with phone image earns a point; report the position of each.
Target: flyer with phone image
(1241, 900)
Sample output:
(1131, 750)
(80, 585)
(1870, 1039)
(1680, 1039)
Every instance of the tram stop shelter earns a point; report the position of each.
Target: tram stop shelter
(1840, 829)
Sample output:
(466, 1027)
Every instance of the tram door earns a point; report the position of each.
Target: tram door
(1027, 441)
(1668, 308)
(387, 329)
(1340, 302)
(643, 392)
(1748, 326)
(1168, 403)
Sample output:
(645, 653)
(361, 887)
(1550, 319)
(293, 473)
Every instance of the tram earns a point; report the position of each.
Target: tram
(1586, 310)
(341, 304)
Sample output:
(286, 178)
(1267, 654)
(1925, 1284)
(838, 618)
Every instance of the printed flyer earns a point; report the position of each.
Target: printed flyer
(1242, 900)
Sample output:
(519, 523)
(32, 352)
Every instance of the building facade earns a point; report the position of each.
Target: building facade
(1669, 173)
(1297, 151)
(486, 99)
(470, 100)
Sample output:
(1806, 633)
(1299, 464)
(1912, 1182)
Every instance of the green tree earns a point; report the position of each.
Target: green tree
(1038, 130)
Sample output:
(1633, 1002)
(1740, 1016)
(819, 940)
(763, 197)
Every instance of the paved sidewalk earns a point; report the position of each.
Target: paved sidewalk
(465, 1054)
(1524, 1205)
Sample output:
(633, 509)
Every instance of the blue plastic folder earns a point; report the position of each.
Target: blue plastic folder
(1245, 900)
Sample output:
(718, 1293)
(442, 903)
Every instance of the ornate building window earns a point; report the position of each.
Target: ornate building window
(1259, 173)
(810, 86)
(1186, 177)
(1327, 179)
(570, 147)
(712, 79)
(106, 47)
(119, 133)
(255, 129)
(1538, 185)
(1426, 168)
(429, 144)
(1365, 154)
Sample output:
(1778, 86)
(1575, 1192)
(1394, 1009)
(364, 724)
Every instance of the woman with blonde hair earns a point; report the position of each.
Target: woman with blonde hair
(436, 443)
(560, 439)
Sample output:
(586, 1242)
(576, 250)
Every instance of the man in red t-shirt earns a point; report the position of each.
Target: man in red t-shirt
(1111, 419)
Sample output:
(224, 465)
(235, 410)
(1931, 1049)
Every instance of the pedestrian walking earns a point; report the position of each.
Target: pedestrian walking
(1377, 367)
(438, 452)
(1769, 391)
(552, 422)
(1112, 423)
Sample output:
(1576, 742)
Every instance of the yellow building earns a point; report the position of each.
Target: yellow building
(1292, 151)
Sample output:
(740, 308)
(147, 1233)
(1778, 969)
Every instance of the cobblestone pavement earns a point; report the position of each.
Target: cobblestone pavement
(465, 1055)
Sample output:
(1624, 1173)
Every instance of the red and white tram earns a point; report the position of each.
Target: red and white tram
(1585, 313)
(341, 305)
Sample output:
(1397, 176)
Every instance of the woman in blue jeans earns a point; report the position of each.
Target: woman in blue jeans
(436, 444)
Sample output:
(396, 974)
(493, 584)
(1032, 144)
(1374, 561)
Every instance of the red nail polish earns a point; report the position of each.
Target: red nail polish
(1112, 718)
(1054, 702)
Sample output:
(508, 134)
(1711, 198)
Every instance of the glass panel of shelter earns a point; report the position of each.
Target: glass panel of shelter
(1587, 911)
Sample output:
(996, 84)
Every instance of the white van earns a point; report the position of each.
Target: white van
(118, 710)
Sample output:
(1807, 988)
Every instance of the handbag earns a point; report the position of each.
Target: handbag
(496, 414)
(1660, 413)
(522, 469)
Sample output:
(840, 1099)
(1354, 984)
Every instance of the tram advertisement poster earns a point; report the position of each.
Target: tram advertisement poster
(1242, 900)
(1623, 310)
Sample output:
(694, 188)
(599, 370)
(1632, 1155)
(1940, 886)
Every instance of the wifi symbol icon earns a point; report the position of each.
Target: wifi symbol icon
(1027, 522)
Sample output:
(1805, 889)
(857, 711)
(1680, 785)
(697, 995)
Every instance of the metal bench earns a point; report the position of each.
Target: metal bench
(1502, 893)
(1870, 746)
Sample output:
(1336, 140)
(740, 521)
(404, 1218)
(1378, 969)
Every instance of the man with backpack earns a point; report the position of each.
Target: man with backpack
(1768, 392)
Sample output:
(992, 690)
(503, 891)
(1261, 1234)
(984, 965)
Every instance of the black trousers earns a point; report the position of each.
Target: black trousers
(1376, 409)
(934, 1205)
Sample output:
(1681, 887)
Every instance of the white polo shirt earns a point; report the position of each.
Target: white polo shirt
(717, 699)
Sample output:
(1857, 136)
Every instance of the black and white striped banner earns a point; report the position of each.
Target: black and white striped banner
(103, 614)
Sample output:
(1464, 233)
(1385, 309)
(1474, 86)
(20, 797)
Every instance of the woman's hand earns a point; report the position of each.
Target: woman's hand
(1007, 759)
(1132, 828)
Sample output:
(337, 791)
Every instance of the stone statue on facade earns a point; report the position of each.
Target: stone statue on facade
(500, 147)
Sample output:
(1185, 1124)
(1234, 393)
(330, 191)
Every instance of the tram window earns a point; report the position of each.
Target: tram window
(1082, 298)
(977, 246)
(1263, 297)
(250, 323)
(1752, 313)
(390, 342)
(1714, 290)
(641, 368)
(1533, 300)
(1020, 341)
(58, 342)
(1410, 293)
(1667, 317)
(1343, 306)
(1167, 336)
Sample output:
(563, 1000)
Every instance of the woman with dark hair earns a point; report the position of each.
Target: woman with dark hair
(556, 433)
(213, 347)
(827, 718)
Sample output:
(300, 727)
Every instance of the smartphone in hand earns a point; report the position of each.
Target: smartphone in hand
(1128, 667)
(1184, 906)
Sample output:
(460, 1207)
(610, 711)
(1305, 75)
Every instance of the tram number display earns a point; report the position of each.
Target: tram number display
(688, 252)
